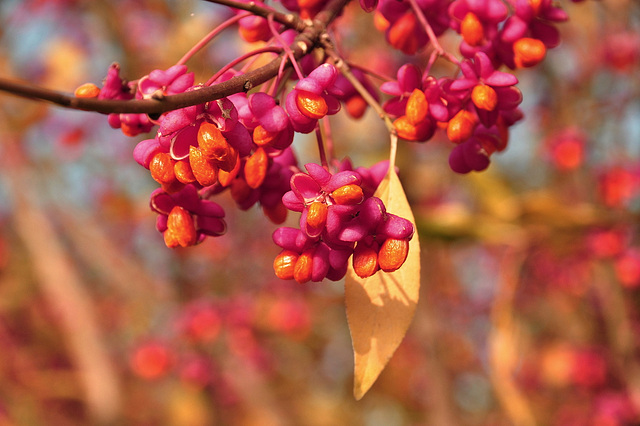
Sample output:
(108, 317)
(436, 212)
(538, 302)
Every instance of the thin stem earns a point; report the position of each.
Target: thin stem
(321, 151)
(328, 139)
(287, 50)
(206, 39)
(288, 19)
(432, 59)
(268, 49)
(344, 69)
(370, 72)
(432, 36)
(280, 84)
(393, 150)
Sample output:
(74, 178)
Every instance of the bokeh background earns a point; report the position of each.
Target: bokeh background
(529, 310)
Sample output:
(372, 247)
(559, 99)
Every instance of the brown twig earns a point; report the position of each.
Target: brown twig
(302, 45)
(290, 20)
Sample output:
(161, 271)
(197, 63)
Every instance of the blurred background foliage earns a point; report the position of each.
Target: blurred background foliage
(529, 307)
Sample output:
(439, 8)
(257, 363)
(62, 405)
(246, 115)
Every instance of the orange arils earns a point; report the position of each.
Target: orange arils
(535, 5)
(276, 214)
(472, 30)
(229, 161)
(129, 130)
(461, 126)
(309, 8)
(392, 254)
(309, 4)
(204, 170)
(304, 267)
(348, 194)
(226, 177)
(484, 97)
(317, 214)
(170, 239)
(380, 22)
(255, 169)
(255, 33)
(180, 228)
(211, 141)
(240, 191)
(528, 52)
(284, 264)
(418, 132)
(183, 172)
(365, 261)
(356, 106)
(87, 90)
(262, 137)
(401, 35)
(161, 168)
(311, 105)
(417, 107)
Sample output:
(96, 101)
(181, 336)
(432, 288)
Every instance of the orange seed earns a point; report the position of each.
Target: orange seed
(484, 97)
(161, 168)
(304, 267)
(413, 132)
(317, 214)
(181, 226)
(183, 172)
(211, 141)
(461, 126)
(311, 105)
(472, 30)
(87, 90)
(204, 170)
(284, 264)
(226, 177)
(528, 52)
(365, 261)
(348, 194)
(417, 107)
(255, 169)
(276, 214)
(262, 137)
(392, 254)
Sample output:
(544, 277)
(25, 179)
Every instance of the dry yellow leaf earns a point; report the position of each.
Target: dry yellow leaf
(380, 308)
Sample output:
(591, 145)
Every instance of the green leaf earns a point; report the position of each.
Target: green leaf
(380, 308)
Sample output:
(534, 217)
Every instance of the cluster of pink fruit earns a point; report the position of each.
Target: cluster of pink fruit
(242, 142)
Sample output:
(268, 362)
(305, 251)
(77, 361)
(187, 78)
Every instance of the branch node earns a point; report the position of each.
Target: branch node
(304, 47)
(158, 94)
(248, 85)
